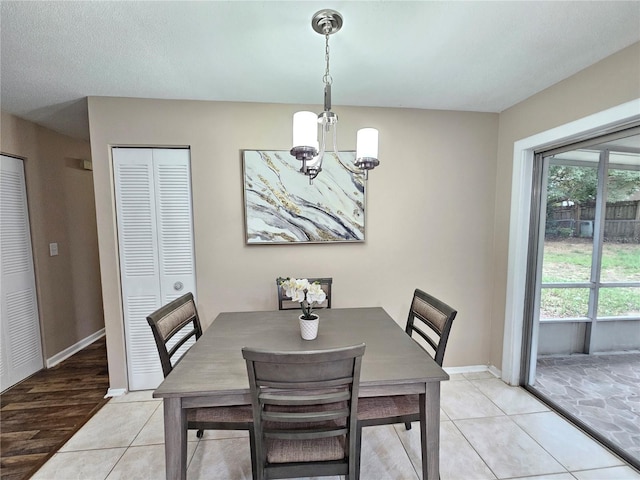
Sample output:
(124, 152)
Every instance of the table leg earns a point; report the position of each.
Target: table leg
(175, 439)
(430, 431)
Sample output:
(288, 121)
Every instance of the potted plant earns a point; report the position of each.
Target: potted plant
(307, 294)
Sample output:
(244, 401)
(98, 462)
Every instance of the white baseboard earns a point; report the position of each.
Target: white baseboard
(473, 369)
(115, 392)
(67, 352)
(495, 370)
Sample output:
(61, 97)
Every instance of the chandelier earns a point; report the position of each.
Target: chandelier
(306, 147)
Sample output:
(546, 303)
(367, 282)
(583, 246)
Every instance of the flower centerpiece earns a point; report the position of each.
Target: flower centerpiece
(306, 293)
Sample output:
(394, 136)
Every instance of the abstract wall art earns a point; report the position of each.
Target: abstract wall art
(282, 208)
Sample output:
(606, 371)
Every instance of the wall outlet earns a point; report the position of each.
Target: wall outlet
(53, 249)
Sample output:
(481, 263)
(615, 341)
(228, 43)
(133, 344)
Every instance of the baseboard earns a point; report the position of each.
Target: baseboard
(495, 370)
(115, 392)
(473, 369)
(67, 352)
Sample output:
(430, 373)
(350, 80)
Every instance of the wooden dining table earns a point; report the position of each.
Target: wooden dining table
(213, 372)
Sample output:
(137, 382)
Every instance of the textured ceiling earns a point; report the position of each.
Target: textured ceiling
(476, 56)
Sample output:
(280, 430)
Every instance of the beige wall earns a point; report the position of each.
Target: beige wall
(60, 198)
(438, 206)
(611, 82)
(429, 212)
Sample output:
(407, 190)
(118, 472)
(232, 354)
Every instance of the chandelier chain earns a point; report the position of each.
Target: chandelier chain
(326, 79)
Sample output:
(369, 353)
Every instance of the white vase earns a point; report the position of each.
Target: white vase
(309, 328)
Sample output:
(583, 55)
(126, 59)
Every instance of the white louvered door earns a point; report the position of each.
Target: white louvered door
(20, 347)
(175, 231)
(155, 235)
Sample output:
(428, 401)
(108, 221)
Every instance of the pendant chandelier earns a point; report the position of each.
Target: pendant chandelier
(306, 147)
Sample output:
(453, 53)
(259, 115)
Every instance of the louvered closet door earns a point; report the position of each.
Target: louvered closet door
(20, 347)
(155, 234)
(175, 231)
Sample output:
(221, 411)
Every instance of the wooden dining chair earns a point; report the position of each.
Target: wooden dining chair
(285, 303)
(431, 320)
(173, 325)
(304, 411)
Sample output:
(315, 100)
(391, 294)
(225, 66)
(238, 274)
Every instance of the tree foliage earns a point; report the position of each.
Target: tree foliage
(578, 185)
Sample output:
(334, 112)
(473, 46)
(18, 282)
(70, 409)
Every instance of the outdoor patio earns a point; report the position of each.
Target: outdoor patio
(602, 391)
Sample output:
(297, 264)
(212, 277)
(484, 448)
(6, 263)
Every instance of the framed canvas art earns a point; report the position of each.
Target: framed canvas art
(281, 207)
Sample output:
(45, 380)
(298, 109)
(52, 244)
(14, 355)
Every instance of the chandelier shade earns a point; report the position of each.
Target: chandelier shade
(305, 130)
(367, 143)
(306, 146)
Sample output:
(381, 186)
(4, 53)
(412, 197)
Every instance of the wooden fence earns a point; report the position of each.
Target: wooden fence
(621, 224)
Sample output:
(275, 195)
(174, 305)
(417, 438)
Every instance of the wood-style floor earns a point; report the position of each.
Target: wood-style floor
(38, 415)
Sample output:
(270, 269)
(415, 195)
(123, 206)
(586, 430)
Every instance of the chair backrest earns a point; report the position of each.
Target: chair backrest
(431, 319)
(170, 327)
(285, 303)
(300, 397)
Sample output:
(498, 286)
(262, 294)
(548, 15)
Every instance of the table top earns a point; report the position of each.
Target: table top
(214, 365)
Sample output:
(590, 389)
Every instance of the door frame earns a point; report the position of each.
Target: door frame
(519, 220)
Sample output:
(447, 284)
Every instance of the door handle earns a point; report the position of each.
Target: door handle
(178, 286)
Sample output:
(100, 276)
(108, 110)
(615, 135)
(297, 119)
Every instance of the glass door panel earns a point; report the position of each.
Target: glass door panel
(584, 288)
(568, 235)
(621, 248)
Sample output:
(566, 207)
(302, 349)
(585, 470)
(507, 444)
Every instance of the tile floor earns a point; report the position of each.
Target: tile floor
(488, 430)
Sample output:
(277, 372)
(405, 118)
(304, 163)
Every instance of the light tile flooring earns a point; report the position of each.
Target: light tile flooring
(488, 430)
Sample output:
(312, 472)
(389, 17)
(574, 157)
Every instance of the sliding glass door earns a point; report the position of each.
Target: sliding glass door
(583, 311)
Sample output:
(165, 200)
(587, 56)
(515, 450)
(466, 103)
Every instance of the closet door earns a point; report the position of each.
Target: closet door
(20, 347)
(155, 235)
(172, 178)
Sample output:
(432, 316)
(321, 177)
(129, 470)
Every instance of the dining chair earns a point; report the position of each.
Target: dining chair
(431, 320)
(172, 326)
(285, 303)
(304, 411)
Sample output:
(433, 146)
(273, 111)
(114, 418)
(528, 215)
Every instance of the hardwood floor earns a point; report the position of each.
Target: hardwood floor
(38, 415)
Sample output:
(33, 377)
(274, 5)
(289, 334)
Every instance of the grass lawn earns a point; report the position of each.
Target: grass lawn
(570, 261)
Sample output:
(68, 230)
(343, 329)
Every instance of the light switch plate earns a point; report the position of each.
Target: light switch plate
(53, 249)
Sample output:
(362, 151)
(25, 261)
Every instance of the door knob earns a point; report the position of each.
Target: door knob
(178, 286)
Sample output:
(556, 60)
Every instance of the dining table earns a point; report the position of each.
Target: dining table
(213, 373)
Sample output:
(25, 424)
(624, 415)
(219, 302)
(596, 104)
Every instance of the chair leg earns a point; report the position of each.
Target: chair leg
(200, 433)
(407, 425)
(356, 472)
(254, 461)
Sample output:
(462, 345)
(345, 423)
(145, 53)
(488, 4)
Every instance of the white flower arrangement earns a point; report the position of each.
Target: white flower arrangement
(306, 293)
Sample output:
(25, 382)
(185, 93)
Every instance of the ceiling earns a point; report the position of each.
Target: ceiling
(474, 56)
